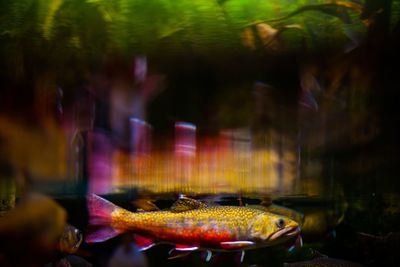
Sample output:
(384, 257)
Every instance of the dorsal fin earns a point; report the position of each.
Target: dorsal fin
(145, 205)
(185, 203)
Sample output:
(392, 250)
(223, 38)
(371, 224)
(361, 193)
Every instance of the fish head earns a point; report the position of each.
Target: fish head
(272, 228)
(70, 239)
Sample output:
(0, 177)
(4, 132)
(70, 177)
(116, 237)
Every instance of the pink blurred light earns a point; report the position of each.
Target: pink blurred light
(185, 139)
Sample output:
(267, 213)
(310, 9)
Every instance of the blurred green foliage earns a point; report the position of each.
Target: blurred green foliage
(58, 32)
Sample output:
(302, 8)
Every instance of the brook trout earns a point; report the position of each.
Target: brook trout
(191, 225)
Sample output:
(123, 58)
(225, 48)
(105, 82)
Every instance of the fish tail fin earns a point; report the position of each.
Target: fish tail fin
(100, 210)
(100, 217)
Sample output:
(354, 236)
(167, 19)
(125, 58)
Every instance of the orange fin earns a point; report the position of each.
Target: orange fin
(186, 248)
(142, 242)
(236, 244)
(181, 251)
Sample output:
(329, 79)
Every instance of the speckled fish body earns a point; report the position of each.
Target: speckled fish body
(215, 227)
(203, 227)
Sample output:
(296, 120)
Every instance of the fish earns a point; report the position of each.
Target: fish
(191, 225)
(38, 228)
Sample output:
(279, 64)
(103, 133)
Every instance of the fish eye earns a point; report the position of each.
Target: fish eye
(280, 223)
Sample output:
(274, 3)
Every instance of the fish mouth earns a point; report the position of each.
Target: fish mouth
(287, 232)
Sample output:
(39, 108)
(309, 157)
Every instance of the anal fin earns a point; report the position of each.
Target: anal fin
(142, 242)
(181, 251)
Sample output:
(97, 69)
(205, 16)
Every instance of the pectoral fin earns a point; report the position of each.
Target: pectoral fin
(242, 253)
(239, 257)
(297, 244)
(207, 255)
(186, 248)
(181, 251)
(185, 204)
(236, 244)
